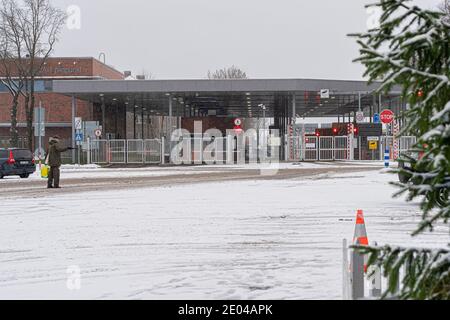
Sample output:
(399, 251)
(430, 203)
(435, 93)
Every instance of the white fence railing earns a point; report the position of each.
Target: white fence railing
(223, 150)
(330, 148)
(312, 148)
(202, 150)
(124, 151)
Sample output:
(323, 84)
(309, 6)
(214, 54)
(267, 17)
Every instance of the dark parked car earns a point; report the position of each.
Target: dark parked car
(16, 162)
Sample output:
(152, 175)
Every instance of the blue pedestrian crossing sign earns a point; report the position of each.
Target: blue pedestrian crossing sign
(376, 118)
(78, 137)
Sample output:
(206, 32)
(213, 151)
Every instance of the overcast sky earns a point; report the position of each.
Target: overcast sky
(177, 39)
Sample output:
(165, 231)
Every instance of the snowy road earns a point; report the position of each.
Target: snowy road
(250, 239)
(86, 179)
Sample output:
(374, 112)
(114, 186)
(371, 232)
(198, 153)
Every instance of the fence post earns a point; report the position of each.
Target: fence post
(286, 148)
(230, 150)
(125, 151)
(143, 151)
(345, 273)
(201, 150)
(357, 275)
(163, 153)
(88, 150)
(108, 149)
(375, 280)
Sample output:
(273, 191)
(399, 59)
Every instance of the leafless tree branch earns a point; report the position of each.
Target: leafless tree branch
(232, 72)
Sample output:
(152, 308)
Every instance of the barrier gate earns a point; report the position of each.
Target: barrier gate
(312, 148)
(327, 148)
(341, 148)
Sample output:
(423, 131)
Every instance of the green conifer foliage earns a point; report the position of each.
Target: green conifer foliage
(411, 49)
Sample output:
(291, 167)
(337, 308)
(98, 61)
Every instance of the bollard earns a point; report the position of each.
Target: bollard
(386, 157)
(357, 275)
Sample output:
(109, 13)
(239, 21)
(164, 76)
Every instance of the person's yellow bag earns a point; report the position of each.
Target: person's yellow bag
(44, 171)
(45, 168)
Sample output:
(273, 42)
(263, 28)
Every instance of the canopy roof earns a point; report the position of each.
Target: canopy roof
(241, 98)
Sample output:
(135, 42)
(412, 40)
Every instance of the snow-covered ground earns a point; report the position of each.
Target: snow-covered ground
(96, 171)
(268, 239)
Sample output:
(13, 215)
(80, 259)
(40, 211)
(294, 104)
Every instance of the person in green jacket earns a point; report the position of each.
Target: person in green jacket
(54, 161)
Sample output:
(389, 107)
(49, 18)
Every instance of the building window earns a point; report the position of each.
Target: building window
(39, 86)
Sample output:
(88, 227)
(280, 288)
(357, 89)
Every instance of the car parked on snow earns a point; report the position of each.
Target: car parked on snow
(16, 162)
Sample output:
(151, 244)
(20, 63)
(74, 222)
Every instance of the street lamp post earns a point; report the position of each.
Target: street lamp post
(263, 107)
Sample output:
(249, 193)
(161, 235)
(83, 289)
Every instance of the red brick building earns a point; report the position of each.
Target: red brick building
(58, 108)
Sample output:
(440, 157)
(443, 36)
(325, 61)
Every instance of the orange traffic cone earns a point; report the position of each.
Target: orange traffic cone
(360, 236)
(360, 230)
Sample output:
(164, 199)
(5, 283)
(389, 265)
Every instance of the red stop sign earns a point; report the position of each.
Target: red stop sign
(387, 116)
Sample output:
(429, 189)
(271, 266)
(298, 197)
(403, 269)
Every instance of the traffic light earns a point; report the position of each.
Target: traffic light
(355, 131)
(335, 131)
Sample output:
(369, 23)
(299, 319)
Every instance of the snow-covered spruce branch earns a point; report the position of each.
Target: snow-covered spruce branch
(389, 7)
(410, 48)
(405, 68)
(426, 270)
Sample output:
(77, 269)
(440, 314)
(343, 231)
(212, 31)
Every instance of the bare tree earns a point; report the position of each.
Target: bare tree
(232, 72)
(12, 74)
(40, 24)
(147, 75)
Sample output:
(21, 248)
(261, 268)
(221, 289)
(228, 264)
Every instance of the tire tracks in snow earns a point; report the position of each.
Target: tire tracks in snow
(37, 189)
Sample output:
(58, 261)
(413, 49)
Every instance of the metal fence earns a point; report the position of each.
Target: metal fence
(213, 150)
(326, 148)
(406, 143)
(5, 142)
(124, 151)
(220, 150)
(341, 148)
(312, 148)
(135, 151)
(396, 146)
(202, 150)
(329, 148)
(152, 151)
(309, 149)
